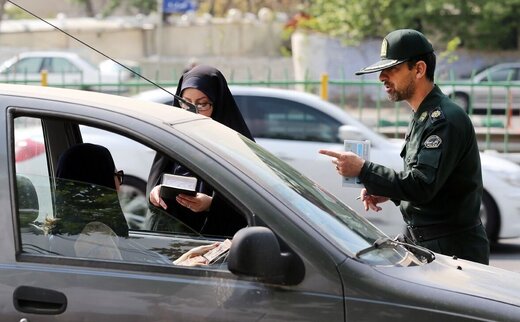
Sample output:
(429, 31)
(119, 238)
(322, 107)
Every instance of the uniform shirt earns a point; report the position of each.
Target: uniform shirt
(442, 180)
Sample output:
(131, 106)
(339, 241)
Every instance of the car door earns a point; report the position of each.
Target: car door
(62, 71)
(45, 277)
(497, 97)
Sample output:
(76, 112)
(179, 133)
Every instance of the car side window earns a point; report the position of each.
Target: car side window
(276, 118)
(30, 65)
(501, 75)
(62, 65)
(32, 172)
(63, 213)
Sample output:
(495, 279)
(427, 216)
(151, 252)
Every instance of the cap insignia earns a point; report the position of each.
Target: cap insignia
(432, 142)
(384, 46)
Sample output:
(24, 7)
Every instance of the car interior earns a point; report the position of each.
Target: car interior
(61, 218)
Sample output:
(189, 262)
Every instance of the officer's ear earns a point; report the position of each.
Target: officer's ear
(420, 68)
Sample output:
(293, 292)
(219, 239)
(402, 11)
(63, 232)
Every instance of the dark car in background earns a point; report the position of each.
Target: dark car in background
(303, 256)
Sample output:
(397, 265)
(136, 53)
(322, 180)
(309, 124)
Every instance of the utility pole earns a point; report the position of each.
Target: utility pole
(158, 36)
(2, 9)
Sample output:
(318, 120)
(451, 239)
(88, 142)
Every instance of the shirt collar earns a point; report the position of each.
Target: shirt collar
(431, 101)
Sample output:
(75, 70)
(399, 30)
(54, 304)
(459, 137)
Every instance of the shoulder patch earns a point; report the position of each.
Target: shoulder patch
(436, 115)
(432, 142)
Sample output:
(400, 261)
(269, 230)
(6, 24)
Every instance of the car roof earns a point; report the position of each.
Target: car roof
(148, 111)
(48, 53)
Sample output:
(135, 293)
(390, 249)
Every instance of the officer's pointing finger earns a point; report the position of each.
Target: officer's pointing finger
(330, 153)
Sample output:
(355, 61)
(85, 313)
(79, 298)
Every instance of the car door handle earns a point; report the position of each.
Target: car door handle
(35, 300)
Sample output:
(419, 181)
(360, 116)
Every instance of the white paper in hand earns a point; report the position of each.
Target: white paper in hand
(361, 148)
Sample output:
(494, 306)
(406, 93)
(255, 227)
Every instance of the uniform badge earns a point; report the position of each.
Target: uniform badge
(436, 115)
(423, 116)
(432, 142)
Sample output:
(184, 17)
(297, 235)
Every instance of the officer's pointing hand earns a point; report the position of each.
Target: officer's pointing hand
(348, 164)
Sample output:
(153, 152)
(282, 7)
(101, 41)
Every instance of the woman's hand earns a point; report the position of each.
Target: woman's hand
(200, 202)
(155, 197)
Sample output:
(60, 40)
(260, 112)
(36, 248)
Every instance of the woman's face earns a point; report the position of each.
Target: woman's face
(118, 179)
(194, 96)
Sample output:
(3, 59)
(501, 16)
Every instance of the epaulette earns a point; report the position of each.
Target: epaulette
(436, 115)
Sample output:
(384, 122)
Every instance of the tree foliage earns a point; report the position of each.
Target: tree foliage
(479, 24)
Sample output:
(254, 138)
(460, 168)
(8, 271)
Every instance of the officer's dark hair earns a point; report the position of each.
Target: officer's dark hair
(430, 61)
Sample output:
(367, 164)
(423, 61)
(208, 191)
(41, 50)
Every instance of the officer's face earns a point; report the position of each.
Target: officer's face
(399, 82)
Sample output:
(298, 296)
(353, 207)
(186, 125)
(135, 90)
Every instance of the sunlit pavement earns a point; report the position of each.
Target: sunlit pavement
(506, 254)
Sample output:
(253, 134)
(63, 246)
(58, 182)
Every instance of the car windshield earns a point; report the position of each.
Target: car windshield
(341, 225)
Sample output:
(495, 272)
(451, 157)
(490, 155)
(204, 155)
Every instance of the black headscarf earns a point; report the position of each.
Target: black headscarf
(89, 163)
(221, 219)
(85, 191)
(211, 82)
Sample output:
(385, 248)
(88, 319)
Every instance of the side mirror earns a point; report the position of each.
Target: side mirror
(255, 252)
(349, 132)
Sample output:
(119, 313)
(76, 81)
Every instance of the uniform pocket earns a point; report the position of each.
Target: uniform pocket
(427, 164)
(430, 157)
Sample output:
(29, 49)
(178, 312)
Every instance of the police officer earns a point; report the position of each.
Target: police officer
(440, 189)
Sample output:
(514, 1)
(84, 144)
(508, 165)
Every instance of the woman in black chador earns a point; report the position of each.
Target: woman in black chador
(206, 213)
(86, 190)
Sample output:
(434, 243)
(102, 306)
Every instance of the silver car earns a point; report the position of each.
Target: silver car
(494, 88)
(303, 255)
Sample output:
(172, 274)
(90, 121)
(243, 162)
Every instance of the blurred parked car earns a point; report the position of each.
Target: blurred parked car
(496, 87)
(109, 66)
(304, 255)
(66, 69)
(295, 125)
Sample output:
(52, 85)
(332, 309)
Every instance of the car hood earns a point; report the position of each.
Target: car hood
(461, 276)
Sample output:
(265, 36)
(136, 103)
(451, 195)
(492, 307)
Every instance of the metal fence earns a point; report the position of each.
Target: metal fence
(493, 106)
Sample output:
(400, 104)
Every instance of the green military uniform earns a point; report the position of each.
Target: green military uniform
(440, 189)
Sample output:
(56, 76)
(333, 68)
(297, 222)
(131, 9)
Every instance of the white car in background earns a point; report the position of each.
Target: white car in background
(64, 68)
(295, 125)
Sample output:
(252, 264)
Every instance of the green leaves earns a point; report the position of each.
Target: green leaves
(478, 24)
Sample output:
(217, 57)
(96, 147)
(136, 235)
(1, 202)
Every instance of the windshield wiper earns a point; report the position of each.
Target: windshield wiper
(383, 242)
(423, 251)
(399, 240)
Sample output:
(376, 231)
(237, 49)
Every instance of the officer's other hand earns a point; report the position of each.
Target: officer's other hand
(372, 201)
